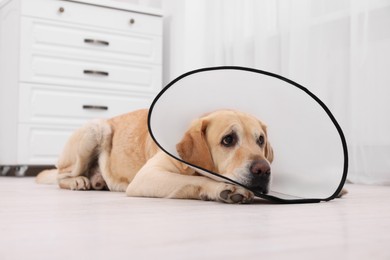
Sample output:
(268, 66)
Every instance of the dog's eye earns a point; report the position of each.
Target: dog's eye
(229, 140)
(261, 140)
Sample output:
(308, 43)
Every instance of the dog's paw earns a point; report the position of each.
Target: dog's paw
(79, 183)
(229, 193)
(97, 181)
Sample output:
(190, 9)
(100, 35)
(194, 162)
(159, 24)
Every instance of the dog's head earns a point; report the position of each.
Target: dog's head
(231, 143)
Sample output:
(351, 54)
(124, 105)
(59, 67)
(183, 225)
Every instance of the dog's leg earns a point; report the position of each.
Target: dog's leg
(79, 154)
(172, 185)
(161, 180)
(112, 183)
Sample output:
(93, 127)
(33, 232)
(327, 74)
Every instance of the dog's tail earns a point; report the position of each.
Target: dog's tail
(47, 177)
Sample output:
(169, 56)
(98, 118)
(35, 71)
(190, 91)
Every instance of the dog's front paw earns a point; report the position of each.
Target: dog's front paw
(229, 193)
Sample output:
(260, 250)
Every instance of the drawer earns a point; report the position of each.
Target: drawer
(72, 40)
(99, 17)
(61, 105)
(62, 70)
(41, 144)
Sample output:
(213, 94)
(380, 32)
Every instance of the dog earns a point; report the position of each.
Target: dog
(119, 154)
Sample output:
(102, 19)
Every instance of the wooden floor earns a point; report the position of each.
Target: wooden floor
(44, 222)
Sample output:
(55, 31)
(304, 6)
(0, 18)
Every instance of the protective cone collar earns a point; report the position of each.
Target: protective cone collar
(310, 152)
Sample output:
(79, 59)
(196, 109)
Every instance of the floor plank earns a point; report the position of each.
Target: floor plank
(44, 222)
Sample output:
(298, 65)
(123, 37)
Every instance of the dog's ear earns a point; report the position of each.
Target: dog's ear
(193, 148)
(269, 152)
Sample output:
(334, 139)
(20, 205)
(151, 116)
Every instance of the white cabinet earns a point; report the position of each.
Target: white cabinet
(65, 62)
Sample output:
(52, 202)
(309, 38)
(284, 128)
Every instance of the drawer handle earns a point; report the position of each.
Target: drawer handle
(96, 72)
(132, 21)
(95, 107)
(61, 9)
(96, 42)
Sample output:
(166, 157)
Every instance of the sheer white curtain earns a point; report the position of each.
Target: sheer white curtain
(339, 49)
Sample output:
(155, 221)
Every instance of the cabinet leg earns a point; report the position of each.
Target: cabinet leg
(21, 170)
(5, 170)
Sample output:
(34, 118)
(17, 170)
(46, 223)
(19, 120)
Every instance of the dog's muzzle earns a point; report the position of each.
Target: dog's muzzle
(259, 176)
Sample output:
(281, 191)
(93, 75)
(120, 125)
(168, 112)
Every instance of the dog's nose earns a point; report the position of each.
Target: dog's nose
(260, 168)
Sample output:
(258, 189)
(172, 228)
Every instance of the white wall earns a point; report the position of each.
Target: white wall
(339, 49)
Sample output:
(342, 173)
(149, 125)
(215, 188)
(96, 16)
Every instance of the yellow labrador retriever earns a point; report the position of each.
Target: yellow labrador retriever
(120, 154)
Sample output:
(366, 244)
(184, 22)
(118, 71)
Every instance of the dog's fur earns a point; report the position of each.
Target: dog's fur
(119, 154)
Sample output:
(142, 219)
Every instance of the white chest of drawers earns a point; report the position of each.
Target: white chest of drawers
(65, 62)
